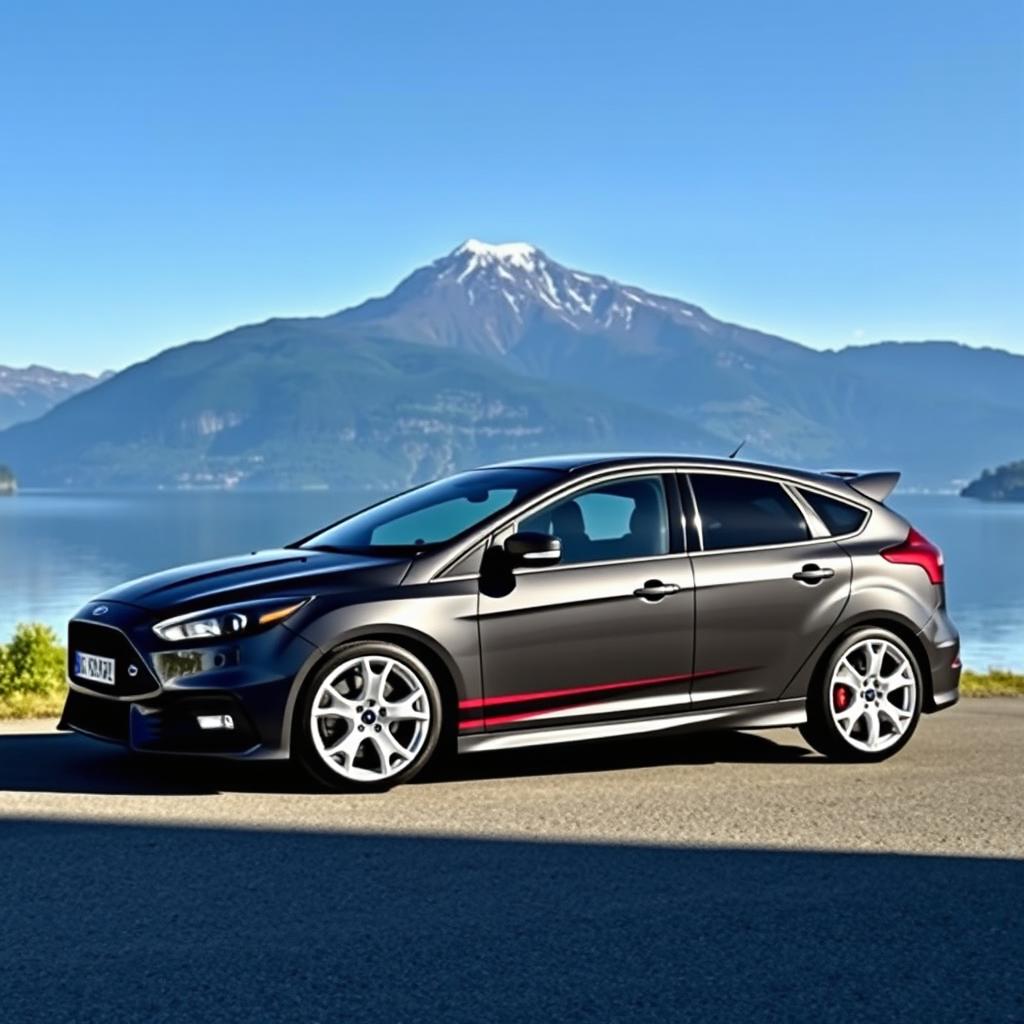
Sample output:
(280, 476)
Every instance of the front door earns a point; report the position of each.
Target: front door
(766, 591)
(606, 634)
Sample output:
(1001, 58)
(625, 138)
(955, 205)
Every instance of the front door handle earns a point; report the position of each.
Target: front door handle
(655, 590)
(813, 574)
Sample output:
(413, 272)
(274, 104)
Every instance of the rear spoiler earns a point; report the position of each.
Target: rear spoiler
(876, 486)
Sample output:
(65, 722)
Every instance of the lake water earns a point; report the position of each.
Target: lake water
(58, 549)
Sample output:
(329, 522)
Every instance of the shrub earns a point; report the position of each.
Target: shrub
(996, 682)
(33, 662)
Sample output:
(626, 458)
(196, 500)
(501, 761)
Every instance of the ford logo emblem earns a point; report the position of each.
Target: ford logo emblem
(101, 610)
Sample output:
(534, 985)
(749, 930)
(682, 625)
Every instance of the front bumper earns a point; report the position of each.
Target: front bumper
(169, 726)
(161, 697)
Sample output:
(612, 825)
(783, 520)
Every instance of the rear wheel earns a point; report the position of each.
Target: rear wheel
(866, 705)
(369, 718)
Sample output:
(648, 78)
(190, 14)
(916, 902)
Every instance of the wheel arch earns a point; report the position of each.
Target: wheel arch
(895, 624)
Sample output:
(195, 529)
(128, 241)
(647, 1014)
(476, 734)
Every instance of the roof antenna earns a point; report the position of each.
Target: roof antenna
(736, 450)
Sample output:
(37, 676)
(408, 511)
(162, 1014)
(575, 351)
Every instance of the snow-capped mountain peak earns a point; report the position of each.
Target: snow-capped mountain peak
(489, 297)
(522, 275)
(518, 283)
(516, 254)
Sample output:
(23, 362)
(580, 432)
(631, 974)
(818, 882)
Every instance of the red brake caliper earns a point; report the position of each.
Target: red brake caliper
(842, 697)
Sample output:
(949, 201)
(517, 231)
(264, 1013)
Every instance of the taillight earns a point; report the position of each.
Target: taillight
(918, 550)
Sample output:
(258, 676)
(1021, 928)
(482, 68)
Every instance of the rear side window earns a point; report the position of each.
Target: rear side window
(837, 516)
(744, 512)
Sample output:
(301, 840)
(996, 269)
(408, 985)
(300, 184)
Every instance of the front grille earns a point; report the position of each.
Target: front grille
(107, 719)
(132, 676)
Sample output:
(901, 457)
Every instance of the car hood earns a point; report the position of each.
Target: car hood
(287, 570)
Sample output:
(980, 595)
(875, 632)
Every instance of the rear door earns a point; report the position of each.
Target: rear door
(767, 589)
(605, 635)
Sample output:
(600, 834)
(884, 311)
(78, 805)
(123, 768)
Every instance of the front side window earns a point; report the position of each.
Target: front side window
(434, 513)
(616, 520)
(745, 512)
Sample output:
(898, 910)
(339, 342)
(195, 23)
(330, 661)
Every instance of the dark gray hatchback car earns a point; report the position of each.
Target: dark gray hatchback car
(537, 602)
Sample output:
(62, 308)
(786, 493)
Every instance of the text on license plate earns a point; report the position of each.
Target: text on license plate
(94, 668)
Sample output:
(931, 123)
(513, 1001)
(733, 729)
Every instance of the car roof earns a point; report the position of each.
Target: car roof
(614, 460)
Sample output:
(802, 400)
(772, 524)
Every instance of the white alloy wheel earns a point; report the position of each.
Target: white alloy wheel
(370, 718)
(872, 694)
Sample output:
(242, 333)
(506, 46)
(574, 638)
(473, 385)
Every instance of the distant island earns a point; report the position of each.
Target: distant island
(1005, 483)
(8, 485)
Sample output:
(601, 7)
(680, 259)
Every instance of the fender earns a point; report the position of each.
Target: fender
(871, 606)
(448, 632)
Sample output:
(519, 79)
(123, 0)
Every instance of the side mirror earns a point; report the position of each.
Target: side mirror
(533, 549)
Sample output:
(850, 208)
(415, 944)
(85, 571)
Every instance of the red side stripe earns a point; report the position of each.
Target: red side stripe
(522, 716)
(520, 698)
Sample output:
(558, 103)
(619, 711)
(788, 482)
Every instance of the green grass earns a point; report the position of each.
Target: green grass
(33, 663)
(32, 705)
(996, 682)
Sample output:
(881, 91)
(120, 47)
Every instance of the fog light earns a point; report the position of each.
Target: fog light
(215, 721)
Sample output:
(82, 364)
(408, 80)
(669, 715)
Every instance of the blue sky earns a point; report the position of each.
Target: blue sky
(832, 172)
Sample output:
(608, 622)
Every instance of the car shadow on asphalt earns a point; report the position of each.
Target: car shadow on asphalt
(143, 923)
(625, 754)
(68, 763)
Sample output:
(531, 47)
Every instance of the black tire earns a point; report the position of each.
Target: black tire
(304, 747)
(821, 730)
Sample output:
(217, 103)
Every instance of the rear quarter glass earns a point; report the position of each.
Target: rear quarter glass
(839, 517)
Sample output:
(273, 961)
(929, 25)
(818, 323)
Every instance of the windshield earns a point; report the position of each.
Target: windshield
(434, 513)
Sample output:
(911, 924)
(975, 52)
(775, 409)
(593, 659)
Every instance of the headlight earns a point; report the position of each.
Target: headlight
(249, 617)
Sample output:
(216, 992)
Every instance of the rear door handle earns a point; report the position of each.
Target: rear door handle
(655, 590)
(813, 574)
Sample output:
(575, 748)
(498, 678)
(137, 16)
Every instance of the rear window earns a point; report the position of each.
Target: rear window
(745, 512)
(837, 516)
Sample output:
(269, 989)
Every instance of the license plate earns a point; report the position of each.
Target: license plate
(94, 668)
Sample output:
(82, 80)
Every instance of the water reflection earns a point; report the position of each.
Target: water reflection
(984, 549)
(57, 550)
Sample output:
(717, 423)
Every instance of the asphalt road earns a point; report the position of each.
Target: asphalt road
(711, 879)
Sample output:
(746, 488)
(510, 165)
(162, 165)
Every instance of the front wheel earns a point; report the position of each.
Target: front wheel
(866, 704)
(369, 718)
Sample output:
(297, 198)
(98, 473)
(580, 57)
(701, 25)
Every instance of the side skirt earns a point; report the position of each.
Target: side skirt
(746, 716)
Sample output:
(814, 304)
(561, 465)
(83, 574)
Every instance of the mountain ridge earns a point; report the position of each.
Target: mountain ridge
(30, 391)
(493, 351)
